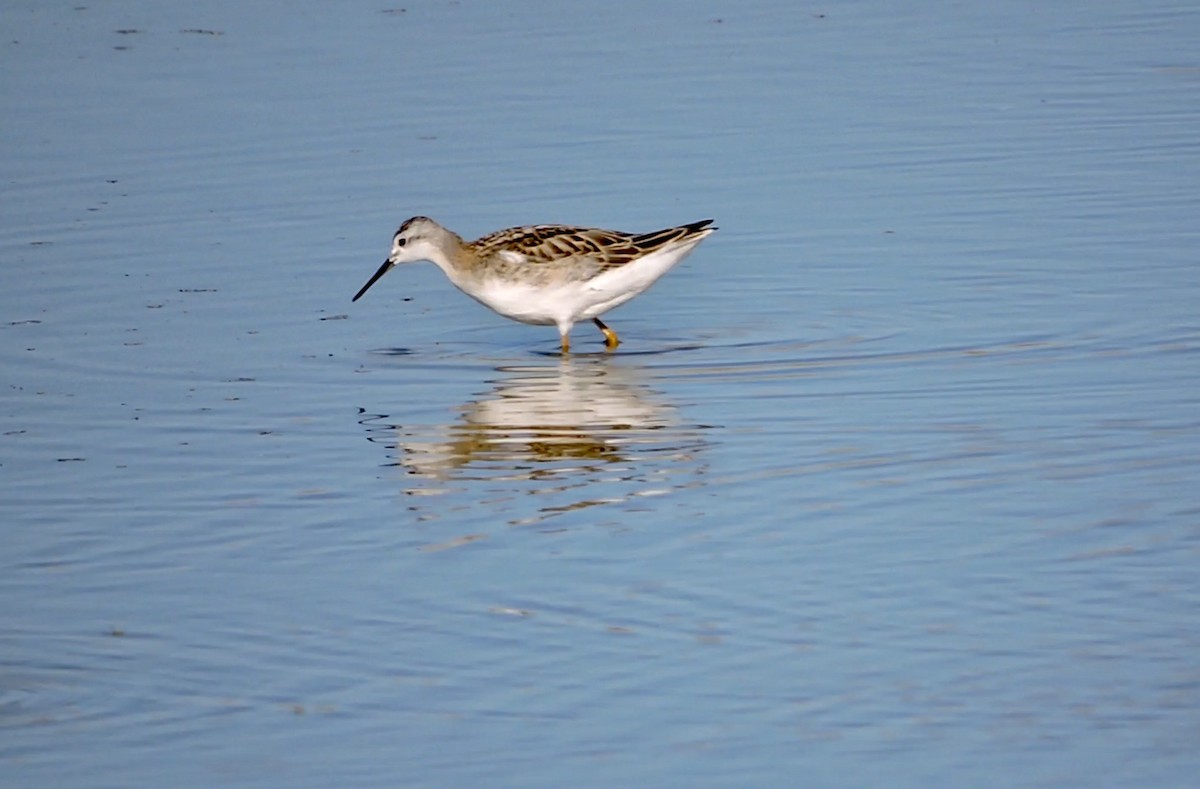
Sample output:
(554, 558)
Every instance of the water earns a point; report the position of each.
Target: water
(892, 482)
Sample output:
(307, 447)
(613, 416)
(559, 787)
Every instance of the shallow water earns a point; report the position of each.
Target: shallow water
(892, 482)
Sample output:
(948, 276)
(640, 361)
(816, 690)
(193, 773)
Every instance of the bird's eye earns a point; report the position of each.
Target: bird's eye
(401, 241)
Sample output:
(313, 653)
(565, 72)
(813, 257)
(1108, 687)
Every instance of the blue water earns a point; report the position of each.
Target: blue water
(892, 482)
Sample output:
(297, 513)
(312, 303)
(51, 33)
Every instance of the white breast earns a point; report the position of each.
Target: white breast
(521, 302)
(565, 303)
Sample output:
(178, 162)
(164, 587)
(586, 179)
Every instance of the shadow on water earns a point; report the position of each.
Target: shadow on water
(552, 434)
(625, 352)
(573, 433)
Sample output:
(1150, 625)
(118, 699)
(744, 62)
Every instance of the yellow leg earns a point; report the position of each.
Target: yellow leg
(566, 344)
(610, 336)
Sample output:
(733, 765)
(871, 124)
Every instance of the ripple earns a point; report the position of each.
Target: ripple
(577, 433)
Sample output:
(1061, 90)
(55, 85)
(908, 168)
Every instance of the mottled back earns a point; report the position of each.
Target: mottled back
(606, 248)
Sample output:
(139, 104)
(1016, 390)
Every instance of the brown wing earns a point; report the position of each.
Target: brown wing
(545, 243)
(648, 242)
(606, 248)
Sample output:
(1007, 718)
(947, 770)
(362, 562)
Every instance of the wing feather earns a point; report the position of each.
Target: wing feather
(604, 248)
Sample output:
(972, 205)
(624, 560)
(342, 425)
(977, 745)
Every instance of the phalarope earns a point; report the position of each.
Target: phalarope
(547, 275)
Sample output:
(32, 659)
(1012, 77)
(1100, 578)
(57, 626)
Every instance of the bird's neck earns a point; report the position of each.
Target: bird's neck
(454, 258)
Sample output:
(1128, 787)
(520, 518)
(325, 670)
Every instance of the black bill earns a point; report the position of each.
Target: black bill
(387, 264)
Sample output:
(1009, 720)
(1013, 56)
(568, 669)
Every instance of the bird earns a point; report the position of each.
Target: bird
(546, 275)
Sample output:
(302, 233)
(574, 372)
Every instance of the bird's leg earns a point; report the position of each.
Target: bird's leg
(610, 336)
(566, 343)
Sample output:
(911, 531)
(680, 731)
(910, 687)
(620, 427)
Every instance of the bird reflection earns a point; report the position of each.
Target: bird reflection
(569, 424)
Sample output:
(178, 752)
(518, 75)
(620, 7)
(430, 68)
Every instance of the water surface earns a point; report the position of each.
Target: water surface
(892, 482)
